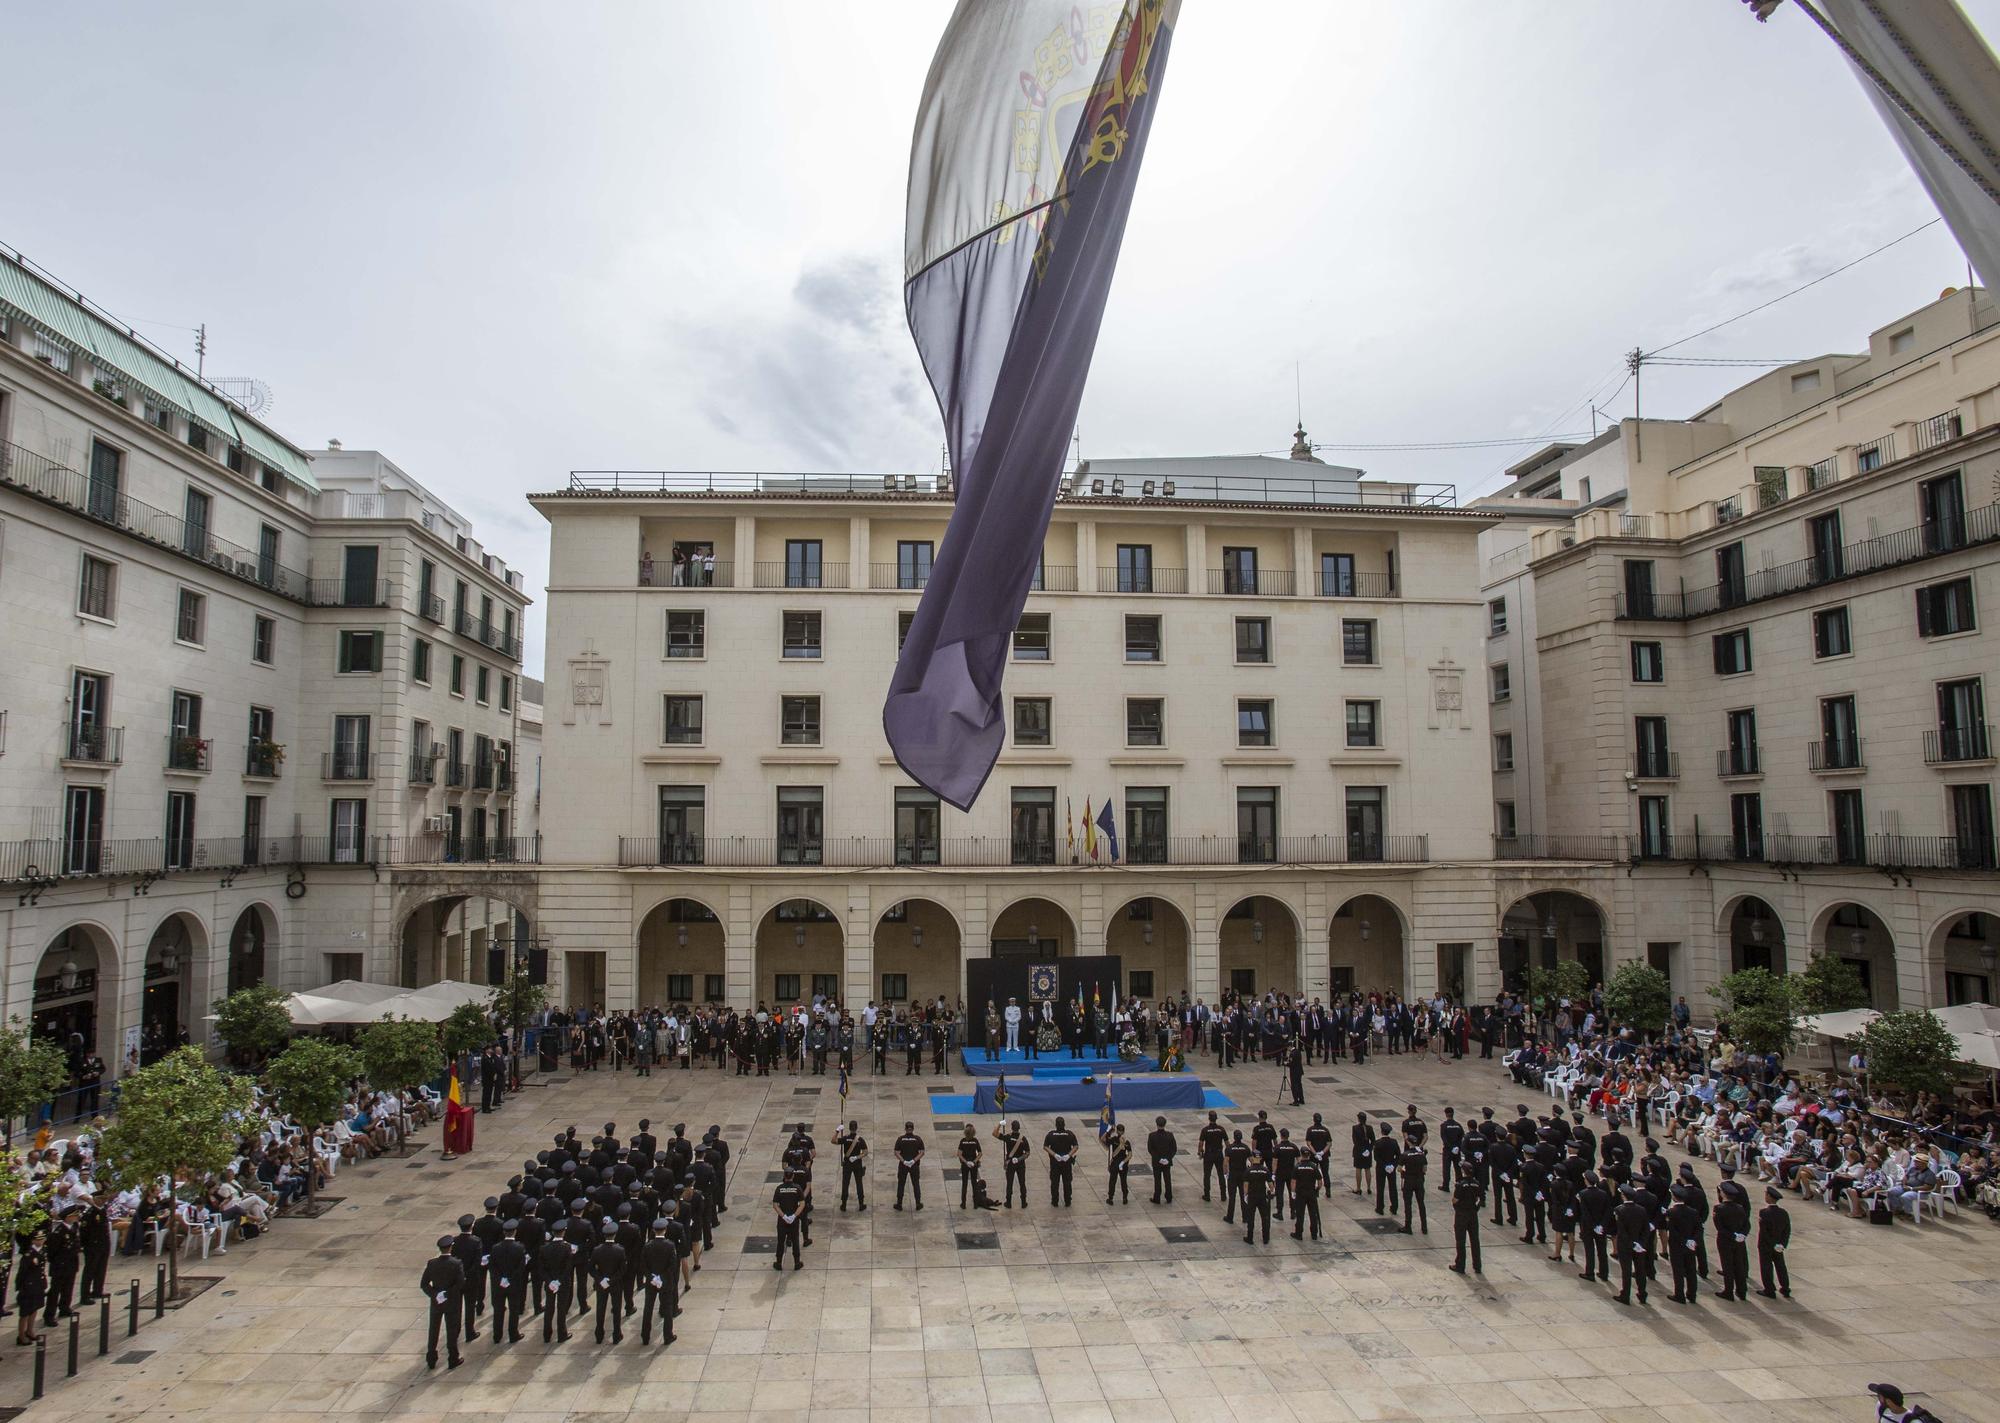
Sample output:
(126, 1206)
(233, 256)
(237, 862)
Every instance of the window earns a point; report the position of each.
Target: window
(802, 563)
(1253, 639)
(895, 987)
(457, 675)
(1649, 663)
(253, 829)
(1364, 723)
(1732, 652)
(360, 651)
(1771, 486)
(918, 819)
(1145, 721)
(1945, 608)
(1832, 633)
(687, 632)
(1746, 826)
(83, 829)
(1243, 982)
(683, 821)
(680, 988)
(426, 589)
(1142, 638)
(349, 760)
(1840, 735)
(1033, 721)
(1505, 824)
(1638, 587)
(420, 661)
(1239, 570)
(1941, 502)
(801, 634)
(1901, 341)
(1823, 540)
(267, 555)
(903, 621)
(359, 587)
(1649, 734)
(104, 499)
(1139, 984)
(1256, 824)
(480, 684)
(56, 354)
(1253, 723)
(683, 721)
(787, 987)
(1031, 638)
(913, 562)
(1871, 456)
(94, 590)
(1962, 733)
(1032, 819)
(1146, 825)
(195, 510)
(1972, 825)
(1731, 589)
(180, 830)
(1496, 617)
(1336, 575)
(1135, 568)
(189, 615)
(801, 824)
(1503, 751)
(1655, 839)
(1357, 642)
(798, 721)
(1850, 832)
(1583, 489)
(506, 692)
(1739, 756)
(1501, 677)
(1367, 814)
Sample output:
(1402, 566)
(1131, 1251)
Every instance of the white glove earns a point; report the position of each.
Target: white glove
(444, 1296)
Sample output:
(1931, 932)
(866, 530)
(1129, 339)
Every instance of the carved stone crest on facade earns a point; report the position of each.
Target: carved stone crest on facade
(589, 677)
(1447, 700)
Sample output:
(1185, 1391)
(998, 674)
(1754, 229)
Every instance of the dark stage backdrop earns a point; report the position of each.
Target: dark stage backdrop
(999, 979)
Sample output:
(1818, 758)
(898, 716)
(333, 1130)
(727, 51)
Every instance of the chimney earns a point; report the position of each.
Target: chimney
(333, 444)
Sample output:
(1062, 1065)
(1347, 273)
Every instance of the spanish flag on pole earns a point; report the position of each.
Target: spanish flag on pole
(457, 1118)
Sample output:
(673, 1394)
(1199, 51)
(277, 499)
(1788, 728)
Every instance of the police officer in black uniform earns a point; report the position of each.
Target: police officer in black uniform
(1256, 1198)
(1161, 1148)
(659, 1272)
(1059, 1146)
(1014, 1151)
(1239, 1156)
(1412, 1166)
(1387, 1155)
(909, 1149)
(788, 1202)
(443, 1283)
(507, 1271)
(470, 1252)
(1634, 1225)
(555, 1267)
(1683, 1234)
(1594, 1204)
(1466, 1201)
(853, 1164)
(1210, 1143)
(1306, 1186)
(1732, 1233)
(607, 1269)
(1774, 1233)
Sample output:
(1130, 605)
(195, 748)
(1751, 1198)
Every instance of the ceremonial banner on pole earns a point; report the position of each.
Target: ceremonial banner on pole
(1026, 155)
(458, 1118)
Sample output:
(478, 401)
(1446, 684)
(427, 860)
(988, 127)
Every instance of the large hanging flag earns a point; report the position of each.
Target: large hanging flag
(1026, 155)
(1107, 1115)
(1089, 831)
(1108, 823)
(458, 1118)
(1069, 830)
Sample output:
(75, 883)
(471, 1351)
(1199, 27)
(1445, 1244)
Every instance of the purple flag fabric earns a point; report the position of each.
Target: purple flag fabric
(1026, 156)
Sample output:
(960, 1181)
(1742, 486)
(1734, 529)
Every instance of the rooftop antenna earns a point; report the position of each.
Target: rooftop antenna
(1076, 442)
(200, 348)
(1635, 361)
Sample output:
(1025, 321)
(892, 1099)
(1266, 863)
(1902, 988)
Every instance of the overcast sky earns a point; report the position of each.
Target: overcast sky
(501, 241)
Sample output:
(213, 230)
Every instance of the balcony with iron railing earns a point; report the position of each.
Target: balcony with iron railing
(423, 766)
(482, 775)
(1952, 745)
(53, 483)
(1834, 753)
(456, 774)
(430, 607)
(188, 753)
(349, 592)
(347, 765)
(1147, 580)
(488, 633)
(462, 849)
(1252, 582)
(826, 574)
(89, 744)
(1002, 852)
(1929, 540)
(1938, 430)
(263, 759)
(898, 575)
(1740, 759)
(1651, 765)
(503, 778)
(718, 574)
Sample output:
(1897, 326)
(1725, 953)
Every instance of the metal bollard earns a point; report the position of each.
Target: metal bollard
(104, 1324)
(132, 1319)
(41, 1362)
(160, 1294)
(75, 1334)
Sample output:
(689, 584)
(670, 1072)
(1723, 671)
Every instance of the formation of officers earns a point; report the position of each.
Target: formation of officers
(608, 1222)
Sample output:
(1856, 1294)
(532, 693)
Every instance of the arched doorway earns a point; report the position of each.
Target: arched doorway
(174, 964)
(1546, 928)
(1857, 934)
(918, 954)
(1034, 928)
(1365, 948)
(447, 938)
(1756, 937)
(682, 955)
(1259, 947)
(1150, 936)
(798, 955)
(76, 997)
(1968, 946)
(255, 930)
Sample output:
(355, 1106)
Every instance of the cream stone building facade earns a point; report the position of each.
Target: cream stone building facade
(1742, 665)
(1271, 669)
(257, 708)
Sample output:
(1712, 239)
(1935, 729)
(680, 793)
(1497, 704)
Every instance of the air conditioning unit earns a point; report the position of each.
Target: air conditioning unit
(436, 824)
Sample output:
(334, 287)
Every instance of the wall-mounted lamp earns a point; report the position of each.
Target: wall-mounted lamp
(1363, 923)
(681, 935)
(1146, 934)
(916, 936)
(1256, 931)
(799, 935)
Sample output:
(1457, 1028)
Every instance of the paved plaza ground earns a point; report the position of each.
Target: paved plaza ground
(1080, 1315)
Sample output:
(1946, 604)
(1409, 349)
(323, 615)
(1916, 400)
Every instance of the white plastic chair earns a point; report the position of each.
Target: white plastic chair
(1949, 1188)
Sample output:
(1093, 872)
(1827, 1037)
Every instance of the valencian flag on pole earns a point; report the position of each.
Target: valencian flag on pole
(457, 1118)
(1026, 155)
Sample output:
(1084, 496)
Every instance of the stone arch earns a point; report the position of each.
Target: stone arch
(431, 948)
(252, 937)
(918, 946)
(1157, 941)
(1260, 945)
(1042, 914)
(680, 936)
(1754, 931)
(798, 937)
(76, 995)
(171, 981)
(1969, 961)
(1580, 923)
(1860, 933)
(1368, 950)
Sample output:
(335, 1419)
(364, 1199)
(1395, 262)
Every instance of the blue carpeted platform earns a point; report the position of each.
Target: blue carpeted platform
(977, 1064)
(1155, 1093)
(1059, 1070)
(953, 1105)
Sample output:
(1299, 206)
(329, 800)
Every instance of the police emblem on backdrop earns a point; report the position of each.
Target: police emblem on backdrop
(1042, 980)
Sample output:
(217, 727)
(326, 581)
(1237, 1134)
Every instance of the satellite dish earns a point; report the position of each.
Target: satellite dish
(252, 394)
